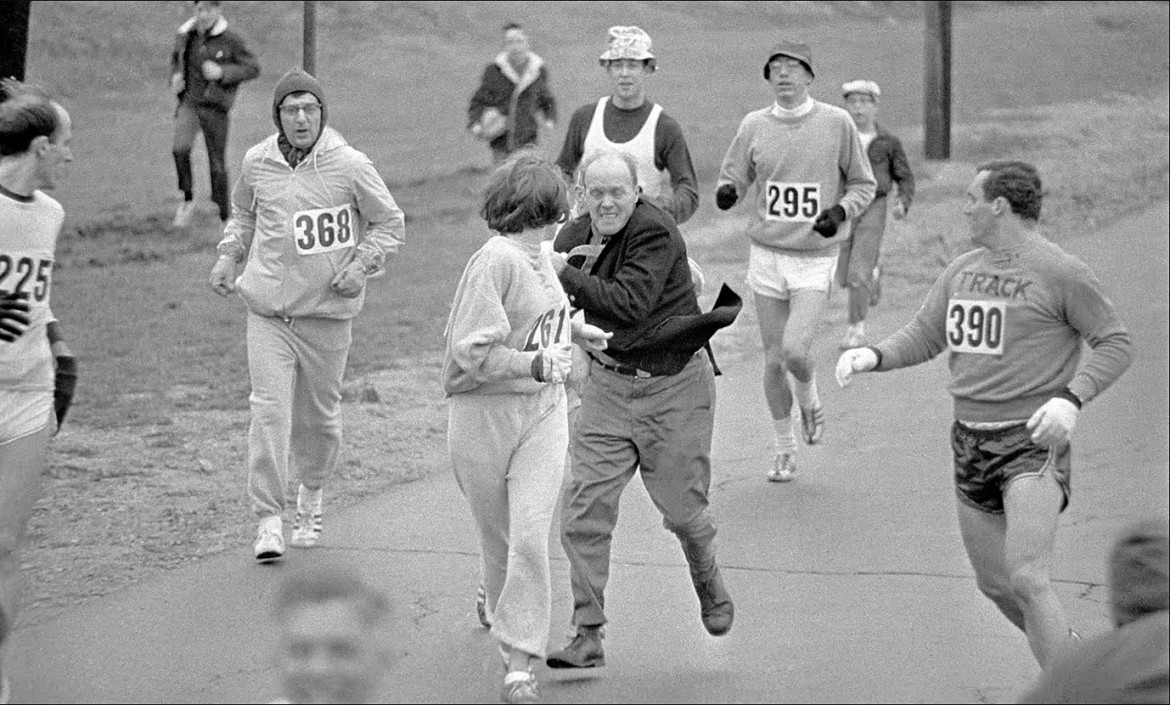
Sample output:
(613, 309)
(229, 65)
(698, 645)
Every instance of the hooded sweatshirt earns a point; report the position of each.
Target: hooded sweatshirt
(299, 226)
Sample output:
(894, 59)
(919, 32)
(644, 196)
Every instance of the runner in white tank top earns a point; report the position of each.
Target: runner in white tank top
(641, 147)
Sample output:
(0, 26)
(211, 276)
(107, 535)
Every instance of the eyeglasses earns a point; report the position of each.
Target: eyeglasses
(311, 110)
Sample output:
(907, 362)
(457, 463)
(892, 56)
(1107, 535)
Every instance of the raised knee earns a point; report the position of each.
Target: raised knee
(994, 590)
(1028, 583)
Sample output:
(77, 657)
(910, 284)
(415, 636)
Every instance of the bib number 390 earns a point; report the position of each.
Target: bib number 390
(792, 202)
(976, 326)
(323, 230)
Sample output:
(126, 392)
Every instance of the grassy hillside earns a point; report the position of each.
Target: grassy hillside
(148, 472)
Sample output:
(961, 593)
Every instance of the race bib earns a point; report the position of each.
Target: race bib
(792, 202)
(976, 326)
(27, 275)
(548, 329)
(323, 230)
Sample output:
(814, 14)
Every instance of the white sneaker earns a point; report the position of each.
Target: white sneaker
(784, 469)
(184, 214)
(269, 541)
(308, 523)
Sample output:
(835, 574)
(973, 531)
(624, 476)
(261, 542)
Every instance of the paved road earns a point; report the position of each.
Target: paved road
(850, 584)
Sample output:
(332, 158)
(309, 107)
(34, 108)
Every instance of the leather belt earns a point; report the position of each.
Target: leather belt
(619, 368)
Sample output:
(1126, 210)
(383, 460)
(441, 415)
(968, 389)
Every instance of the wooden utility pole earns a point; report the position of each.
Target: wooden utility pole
(14, 17)
(310, 38)
(936, 100)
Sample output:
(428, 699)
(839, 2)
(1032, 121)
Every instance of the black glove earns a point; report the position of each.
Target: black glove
(725, 196)
(64, 386)
(827, 222)
(13, 316)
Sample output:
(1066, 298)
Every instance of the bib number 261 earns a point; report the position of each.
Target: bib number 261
(975, 326)
(323, 230)
(792, 202)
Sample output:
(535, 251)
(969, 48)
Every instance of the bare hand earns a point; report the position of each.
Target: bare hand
(899, 210)
(223, 276)
(212, 71)
(591, 337)
(177, 83)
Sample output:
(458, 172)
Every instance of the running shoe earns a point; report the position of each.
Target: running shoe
(520, 687)
(308, 523)
(481, 607)
(812, 423)
(269, 544)
(784, 470)
(853, 339)
(184, 214)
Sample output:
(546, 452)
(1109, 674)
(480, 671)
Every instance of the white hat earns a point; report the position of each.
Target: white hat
(867, 87)
(628, 43)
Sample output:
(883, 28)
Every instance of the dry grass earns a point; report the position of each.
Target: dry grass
(150, 470)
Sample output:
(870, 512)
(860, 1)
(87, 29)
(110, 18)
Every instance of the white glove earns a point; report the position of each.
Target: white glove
(556, 362)
(854, 360)
(589, 336)
(1053, 423)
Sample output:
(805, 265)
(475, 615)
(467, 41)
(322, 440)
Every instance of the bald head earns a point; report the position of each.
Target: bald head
(609, 181)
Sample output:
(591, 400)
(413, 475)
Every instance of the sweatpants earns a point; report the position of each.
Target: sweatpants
(508, 454)
(296, 367)
(661, 425)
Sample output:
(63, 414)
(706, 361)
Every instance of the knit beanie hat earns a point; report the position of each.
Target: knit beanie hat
(297, 81)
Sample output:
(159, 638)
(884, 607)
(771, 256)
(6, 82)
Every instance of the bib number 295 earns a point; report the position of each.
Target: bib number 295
(792, 202)
(975, 326)
(323, 230)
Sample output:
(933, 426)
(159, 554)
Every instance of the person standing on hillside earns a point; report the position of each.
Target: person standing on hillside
(514, 99)
(311, 220)
(508, 354)
(1012, 315)
(812, 176)
(208, 64)
(628, 122)
(37, 370)
(858, 268)
(649, 403)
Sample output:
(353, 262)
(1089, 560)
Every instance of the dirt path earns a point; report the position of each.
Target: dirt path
(851, 583)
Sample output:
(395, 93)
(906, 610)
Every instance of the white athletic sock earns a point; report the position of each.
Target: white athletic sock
(784, 440)
(857, 329)
(806, 392)
(309, 500)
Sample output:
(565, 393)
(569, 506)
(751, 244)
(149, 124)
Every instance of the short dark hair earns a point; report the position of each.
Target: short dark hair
(26, 114)
(1018, 183)
(324, 584)
(524, 193)
(511, 26)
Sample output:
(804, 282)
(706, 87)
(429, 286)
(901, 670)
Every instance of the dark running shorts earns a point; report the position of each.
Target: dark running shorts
(987, 461)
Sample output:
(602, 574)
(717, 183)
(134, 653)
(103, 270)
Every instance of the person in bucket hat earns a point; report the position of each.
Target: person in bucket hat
(812, 174)
(626, 120)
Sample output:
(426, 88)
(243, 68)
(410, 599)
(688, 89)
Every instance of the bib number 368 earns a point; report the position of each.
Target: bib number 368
(976, 326)
(323, 230)
(792, 202)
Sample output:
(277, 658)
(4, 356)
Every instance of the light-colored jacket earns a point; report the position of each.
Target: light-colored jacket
(279, 212)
